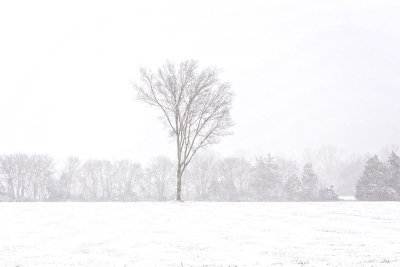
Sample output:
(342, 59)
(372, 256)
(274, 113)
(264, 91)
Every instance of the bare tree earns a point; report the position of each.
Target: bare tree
(26, 177)
(195, 106)
(15, 168)
(41, 169)
(233, 172)
(160, 172)
(199, 175)
(128, 175)
(70, 177)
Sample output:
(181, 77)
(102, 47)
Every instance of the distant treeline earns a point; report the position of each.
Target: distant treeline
(36, 178)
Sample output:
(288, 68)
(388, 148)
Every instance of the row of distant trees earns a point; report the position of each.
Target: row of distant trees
(36, 178)
(268, 179)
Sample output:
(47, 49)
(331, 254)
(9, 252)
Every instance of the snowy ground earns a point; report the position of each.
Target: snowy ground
(200, 234)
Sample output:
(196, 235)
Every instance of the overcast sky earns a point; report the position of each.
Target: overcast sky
(305, 73)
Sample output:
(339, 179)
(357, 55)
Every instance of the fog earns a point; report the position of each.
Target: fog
(199, 133)
(305, 75)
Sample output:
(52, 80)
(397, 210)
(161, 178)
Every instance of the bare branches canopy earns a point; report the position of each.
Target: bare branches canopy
(194, 103)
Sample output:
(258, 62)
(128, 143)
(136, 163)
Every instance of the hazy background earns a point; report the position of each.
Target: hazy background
(303, 77)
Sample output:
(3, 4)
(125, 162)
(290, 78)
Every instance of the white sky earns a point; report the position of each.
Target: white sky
(305, 73)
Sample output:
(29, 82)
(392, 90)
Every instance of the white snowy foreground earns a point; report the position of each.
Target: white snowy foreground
(200, 234)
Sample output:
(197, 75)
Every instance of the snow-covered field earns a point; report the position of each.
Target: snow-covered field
(200, 234)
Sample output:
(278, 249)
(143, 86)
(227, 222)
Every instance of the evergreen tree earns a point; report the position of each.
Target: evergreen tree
(394, 172)
(310, 183)
(266, 182)
(373, 184)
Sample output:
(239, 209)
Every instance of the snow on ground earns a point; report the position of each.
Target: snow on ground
(200, 234)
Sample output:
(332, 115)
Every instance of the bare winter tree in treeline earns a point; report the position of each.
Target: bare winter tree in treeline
(195, 105)
(26, 177)
(160, 174)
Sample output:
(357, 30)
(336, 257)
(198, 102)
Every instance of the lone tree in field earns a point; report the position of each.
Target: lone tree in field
(195, 106)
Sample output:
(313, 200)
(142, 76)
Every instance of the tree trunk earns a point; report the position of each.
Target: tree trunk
(178, 184)
(179, 169)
